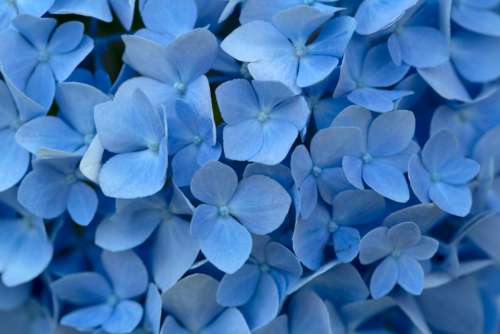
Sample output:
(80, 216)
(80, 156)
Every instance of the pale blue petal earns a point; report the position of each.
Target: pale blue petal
(374, 246)
(456, 200)
(411, 275)
(264, 304)
(237, 289)
(82, 288)
(215, 183)
(346, 243)
(118, 266)
(14, 160)
(374, 15)
(403, 235)
(231, 321)
(88, 317)
(125, 317)
(353, 170)
(82, 203)
(384, 278)
(386, 180)
(391, 133)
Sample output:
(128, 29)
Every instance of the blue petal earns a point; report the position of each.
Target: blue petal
(230, 321)
(374, 246)
(98, 9)
(308, 313)
(445, 81)
(214, 183)
(237, 289)
(403, 235)
(411, 275)
(66, 37)
(264, 304)
(125, 317)
(353, 170)
(63, 64)
(386, 180)
(118, 266)
(152, 310)
(346, 243)
(384, 278)
(456, 200)
(221, 250)
(174, 252)
(434, 154)
(41, 85)
(82, 289)
(356, 207)
(260, 203)
(391, 133)
(236, 110)
(14, 160)
(124, 11)
(82, 203)
(422, 46)
(192, 301)
(169, 18)
(330, 145)
(379, 70)
(88, 317)
(378, 100)
(374, 15)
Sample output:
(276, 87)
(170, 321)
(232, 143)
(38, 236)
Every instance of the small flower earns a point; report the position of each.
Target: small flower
(263, 120)
(105, 302)
(50, 54)
(136, 132)
(400, 248)
(56, 185)
(324, 229)
(263, 279)
(230, 210)
(441, 174)
(173, 249)
(279, 51)
(385, 147)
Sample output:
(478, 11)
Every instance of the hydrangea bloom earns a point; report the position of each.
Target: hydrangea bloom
(105, 302)
(270, 108)
(441, 174)
(400, 248)
(383, 151)
(49, 53)
(350, 208)
(191, 141)
(231, 210)
(56, 185)
(139, 141)
(240, 166)
(174, 249)
(320, 170)
(280, 51)
(259, 287)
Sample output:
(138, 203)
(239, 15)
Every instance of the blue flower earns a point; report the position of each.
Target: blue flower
(72, 132)
(385, 148)
(9, 10)
(105, 302)
(191, 141)
(56, 185)
(173, 250)
(259, 287)
(322, 229)
(400, 248)
(167, 20)
(191, 307)
(25, 248)
(38, 54)
(173, 72)
(136, 132)
(441, 174)
(320, 170)
(280, 51)
(365, 75)
(99, 9)
(230, 210)
(16, 110)
(263, 119)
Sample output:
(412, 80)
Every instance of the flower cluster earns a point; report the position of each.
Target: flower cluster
(249, 166)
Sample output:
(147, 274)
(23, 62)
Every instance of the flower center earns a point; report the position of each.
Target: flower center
(223, 211)
(435, 177)
(264, 267)
(316, 171)
(112, 300)
(154, 147)
(263, 115)
(300, 50)
(367, 158)
(43, 55)
(180, 87)
(332, 226)
(197, 140)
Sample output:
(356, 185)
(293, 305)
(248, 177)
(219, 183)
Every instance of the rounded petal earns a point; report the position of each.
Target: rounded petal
(403, 235)
(260, 203)
(456, 200)
(119, 266)
(391, 133)
(346, 243)
(231, 321)
(82, 203)
(82, 288)
(264, 304)
(125, 317)
(237, 289)
(384, 278)
(411, 275)
(386, 180)
(14, 160)
(87, 317)
(374, 246)
(214, 183)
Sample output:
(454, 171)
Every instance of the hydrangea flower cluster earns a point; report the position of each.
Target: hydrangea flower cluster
(249, 166)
